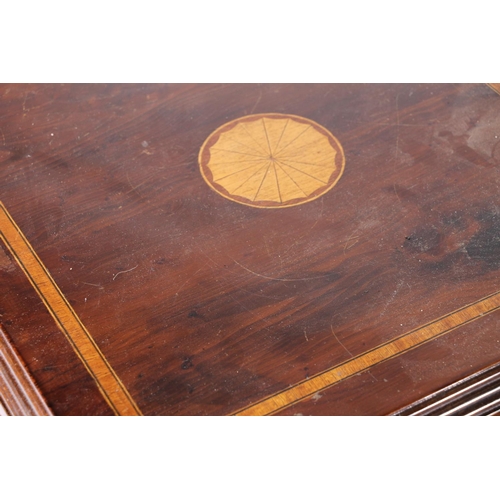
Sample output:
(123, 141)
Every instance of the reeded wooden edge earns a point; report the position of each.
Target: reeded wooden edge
(19, 395)
(477, 394)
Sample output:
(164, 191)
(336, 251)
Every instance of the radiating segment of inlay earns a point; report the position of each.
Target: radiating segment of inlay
(271, 160)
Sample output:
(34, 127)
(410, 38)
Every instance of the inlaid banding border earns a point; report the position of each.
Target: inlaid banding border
(373, 357)
(117, 396)
(108, 382)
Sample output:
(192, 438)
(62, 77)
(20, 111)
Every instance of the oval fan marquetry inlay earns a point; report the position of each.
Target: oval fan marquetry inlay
(271, 160)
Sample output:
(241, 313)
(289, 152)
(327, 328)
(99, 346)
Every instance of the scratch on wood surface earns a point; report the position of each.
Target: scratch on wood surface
(320, 215)
(395, 191)
(391, 298)
(98, 285)
(275, 279)
(186, 282)
(396, 159)
(351, 238)
(347, 246)
(397, 115)
(122, 272)
(134, 188)
(267, 247)
(337, 339)
(216, 265)
(257, 102)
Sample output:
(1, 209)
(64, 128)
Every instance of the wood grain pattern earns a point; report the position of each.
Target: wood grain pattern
(204, 306)
(271, 160)
(108, 382)
(375, 356)
(19, 395)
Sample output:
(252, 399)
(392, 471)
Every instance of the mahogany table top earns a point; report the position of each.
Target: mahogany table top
(264, 249)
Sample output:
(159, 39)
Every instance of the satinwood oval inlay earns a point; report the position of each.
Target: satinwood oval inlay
(271, 160)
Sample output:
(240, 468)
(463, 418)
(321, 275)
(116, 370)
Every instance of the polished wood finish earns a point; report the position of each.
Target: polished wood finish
(202, 305)
(19, 395)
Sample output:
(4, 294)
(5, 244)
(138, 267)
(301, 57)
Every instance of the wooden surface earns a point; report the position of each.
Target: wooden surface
(133, 282)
